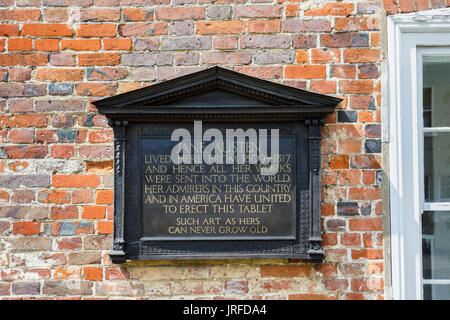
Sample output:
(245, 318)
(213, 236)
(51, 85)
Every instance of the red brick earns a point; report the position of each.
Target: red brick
(57, 75)
(117, 44)
(104, 197)
(71, 272)
(264, 26)
(82, 196)
(263, 72)
(81, 45)
(93, 273)
(96, 30)
(116, 273)
(220, 27)
(351, 239)
(339, 162)
(62, 151)
(20, 44)
(366, 161)
(136, 14)
(343, 71)
(26, 227)
(24, 59)
(329, 239)
(94, 212)
(73, 243)
(23, 196)
(336, 284)
(356, 86)
(75, 181)
(21, 136)
(104, 227)
(9, 30)
(46, 44)
(361, 55)
(357, 23)
(372, 284)
(98, 59)
(56, 15)
(26, 152)
(291, 10)
(142, 29)
(54, 196)
(257, 11)
(47, 29)
(96, 89)
(326, 269)
(349, 146)
(325, 56)
(305, 72)
(366, 224)
(97, 15)
(69, 212)
(331, 9)
(323, 86)
(179, 13)
(20, 14)
(225, 42)
(302, 56)
(349, 177)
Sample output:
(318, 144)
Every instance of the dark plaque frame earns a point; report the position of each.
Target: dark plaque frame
(223, 99)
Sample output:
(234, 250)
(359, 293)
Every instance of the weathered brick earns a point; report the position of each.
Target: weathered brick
(342, 40)
(83, 258)
(273, 57)
(265, 41)
(142, 29)
(26, 288)
(95, 14)
(137, 14)
(62, 288)
(24, 59)
(146, 59)
(220, 27)
(299, 26)
(186, 43)
(235, 57)
(179, 13)
(257, 11)
(218, 12)
(305, 72)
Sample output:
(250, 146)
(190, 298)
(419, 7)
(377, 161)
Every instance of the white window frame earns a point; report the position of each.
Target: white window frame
(408, 34)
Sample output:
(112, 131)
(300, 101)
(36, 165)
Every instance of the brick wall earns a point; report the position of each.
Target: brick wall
(56, 56)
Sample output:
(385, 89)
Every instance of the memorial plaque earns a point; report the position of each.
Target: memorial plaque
(246, 197)
(216, 201)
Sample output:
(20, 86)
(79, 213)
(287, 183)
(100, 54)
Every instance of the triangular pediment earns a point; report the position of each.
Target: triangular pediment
(214, 89)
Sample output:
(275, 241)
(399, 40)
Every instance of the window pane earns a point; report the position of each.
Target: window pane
(436, 292)
(436, 244)
(437, 166)
(436, 92)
